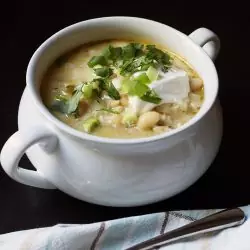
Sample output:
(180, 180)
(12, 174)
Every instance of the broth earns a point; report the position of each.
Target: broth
(96, 90)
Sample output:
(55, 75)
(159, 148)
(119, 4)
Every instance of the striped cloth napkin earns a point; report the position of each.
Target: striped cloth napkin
(122, 233)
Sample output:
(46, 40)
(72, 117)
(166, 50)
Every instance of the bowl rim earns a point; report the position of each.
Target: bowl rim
(105, 140)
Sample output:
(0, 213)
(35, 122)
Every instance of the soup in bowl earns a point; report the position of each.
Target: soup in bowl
(121, 111)
(122, 89)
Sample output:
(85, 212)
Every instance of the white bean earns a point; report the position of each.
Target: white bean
(164, 108)
(162, 120)
(148, 120)
(196, 84)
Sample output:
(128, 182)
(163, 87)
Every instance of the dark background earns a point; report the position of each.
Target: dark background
(25, 25)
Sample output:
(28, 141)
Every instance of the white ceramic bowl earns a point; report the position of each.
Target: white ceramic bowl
(118, 172)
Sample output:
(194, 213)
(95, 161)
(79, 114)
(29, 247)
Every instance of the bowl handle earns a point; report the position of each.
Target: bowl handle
(208, 40)
(15, 148)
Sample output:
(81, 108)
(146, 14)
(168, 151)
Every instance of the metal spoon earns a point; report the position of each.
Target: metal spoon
(224, 219)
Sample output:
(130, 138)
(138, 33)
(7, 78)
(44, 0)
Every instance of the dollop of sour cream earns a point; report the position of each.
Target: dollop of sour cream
(172, 88)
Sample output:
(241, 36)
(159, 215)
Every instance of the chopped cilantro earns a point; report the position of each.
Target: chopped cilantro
(151, 96)
(67, 106)
(112, 91)
(97, 60)
(103, 72)
(109, 110)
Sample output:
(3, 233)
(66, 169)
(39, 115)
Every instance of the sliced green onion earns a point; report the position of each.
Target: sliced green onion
(133, 87)
(90, 124)
(140, 89)
(97, 60)
(152, 73)
(127, 84)
(95, 84)
(87, 90)
(142, 78)
(129, 120)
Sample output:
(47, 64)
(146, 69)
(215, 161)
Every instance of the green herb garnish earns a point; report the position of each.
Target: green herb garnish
(87, 90)
(60, 106)
(112, 91)
(131, 58)
(115, 52)
(129, 120)
(127, 84)
(112, 53)
(106, 52)
(148, 61)
(142, 78)
(151, 96)
(90, 124)
(133, 87)
(103, 72)
(109, 110)
(97, 60)
(128, 52)
(162, 58)
(140, 89)
(137, 59)
(67, 106)
(74, 102)
(107, 85)
(61, 98)
(131, 50)
(134, 65)
(152, 73)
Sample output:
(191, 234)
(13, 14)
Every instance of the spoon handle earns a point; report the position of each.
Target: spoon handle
(224, 219)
